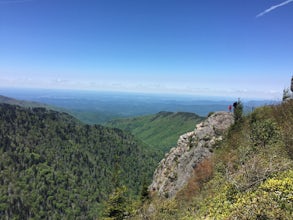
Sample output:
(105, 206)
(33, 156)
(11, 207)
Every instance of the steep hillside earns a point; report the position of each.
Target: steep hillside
(160, 130)
(52, 166)
(249, 175)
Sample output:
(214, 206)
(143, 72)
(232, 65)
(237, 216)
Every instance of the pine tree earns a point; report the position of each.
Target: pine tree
(116, 206)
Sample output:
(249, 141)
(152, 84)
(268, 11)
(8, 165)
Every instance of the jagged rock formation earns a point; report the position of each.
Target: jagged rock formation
(177, 167)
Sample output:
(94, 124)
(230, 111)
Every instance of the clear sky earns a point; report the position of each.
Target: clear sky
(241, 48)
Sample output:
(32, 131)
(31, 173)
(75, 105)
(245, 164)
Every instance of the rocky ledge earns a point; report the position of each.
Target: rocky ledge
(177, 167)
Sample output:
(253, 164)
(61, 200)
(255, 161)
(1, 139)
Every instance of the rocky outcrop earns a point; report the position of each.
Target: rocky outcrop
(177, 167)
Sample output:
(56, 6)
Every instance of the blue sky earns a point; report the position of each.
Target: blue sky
(235, 48)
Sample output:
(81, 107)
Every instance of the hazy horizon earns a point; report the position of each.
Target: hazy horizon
(99, 107)
(201, 48)
(9, 91)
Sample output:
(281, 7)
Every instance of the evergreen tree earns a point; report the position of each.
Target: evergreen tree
(116, 205)
(144, 194)
(238, 111)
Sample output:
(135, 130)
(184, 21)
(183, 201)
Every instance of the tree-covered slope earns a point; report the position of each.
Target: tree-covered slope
(52, 166)
(161, 130)
(249, 176)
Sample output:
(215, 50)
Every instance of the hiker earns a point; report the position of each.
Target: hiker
(235, 105)
(230, 108)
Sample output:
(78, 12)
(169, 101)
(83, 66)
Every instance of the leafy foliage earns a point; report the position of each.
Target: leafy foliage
(52, 165)
(264, 132)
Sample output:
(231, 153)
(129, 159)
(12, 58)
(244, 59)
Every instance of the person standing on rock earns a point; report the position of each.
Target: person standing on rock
(235, 105)
(230, 108)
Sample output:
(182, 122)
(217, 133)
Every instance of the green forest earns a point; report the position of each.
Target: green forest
(53, 165)
(159, 131)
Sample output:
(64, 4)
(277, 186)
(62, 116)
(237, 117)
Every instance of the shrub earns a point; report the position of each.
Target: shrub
(201, 174)
(264, 132)
(272, 200)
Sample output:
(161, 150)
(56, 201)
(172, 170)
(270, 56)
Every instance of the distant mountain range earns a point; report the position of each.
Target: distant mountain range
(94, 107)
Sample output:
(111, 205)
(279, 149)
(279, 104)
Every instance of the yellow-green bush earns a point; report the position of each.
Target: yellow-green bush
(273, 199)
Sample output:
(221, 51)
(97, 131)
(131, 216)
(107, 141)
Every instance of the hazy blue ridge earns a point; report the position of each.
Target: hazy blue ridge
(99, 107)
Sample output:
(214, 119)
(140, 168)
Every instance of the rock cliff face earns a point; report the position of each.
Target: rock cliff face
(177, 167)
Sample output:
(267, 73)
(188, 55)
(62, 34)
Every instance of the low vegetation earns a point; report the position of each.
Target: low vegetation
(249, 177)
